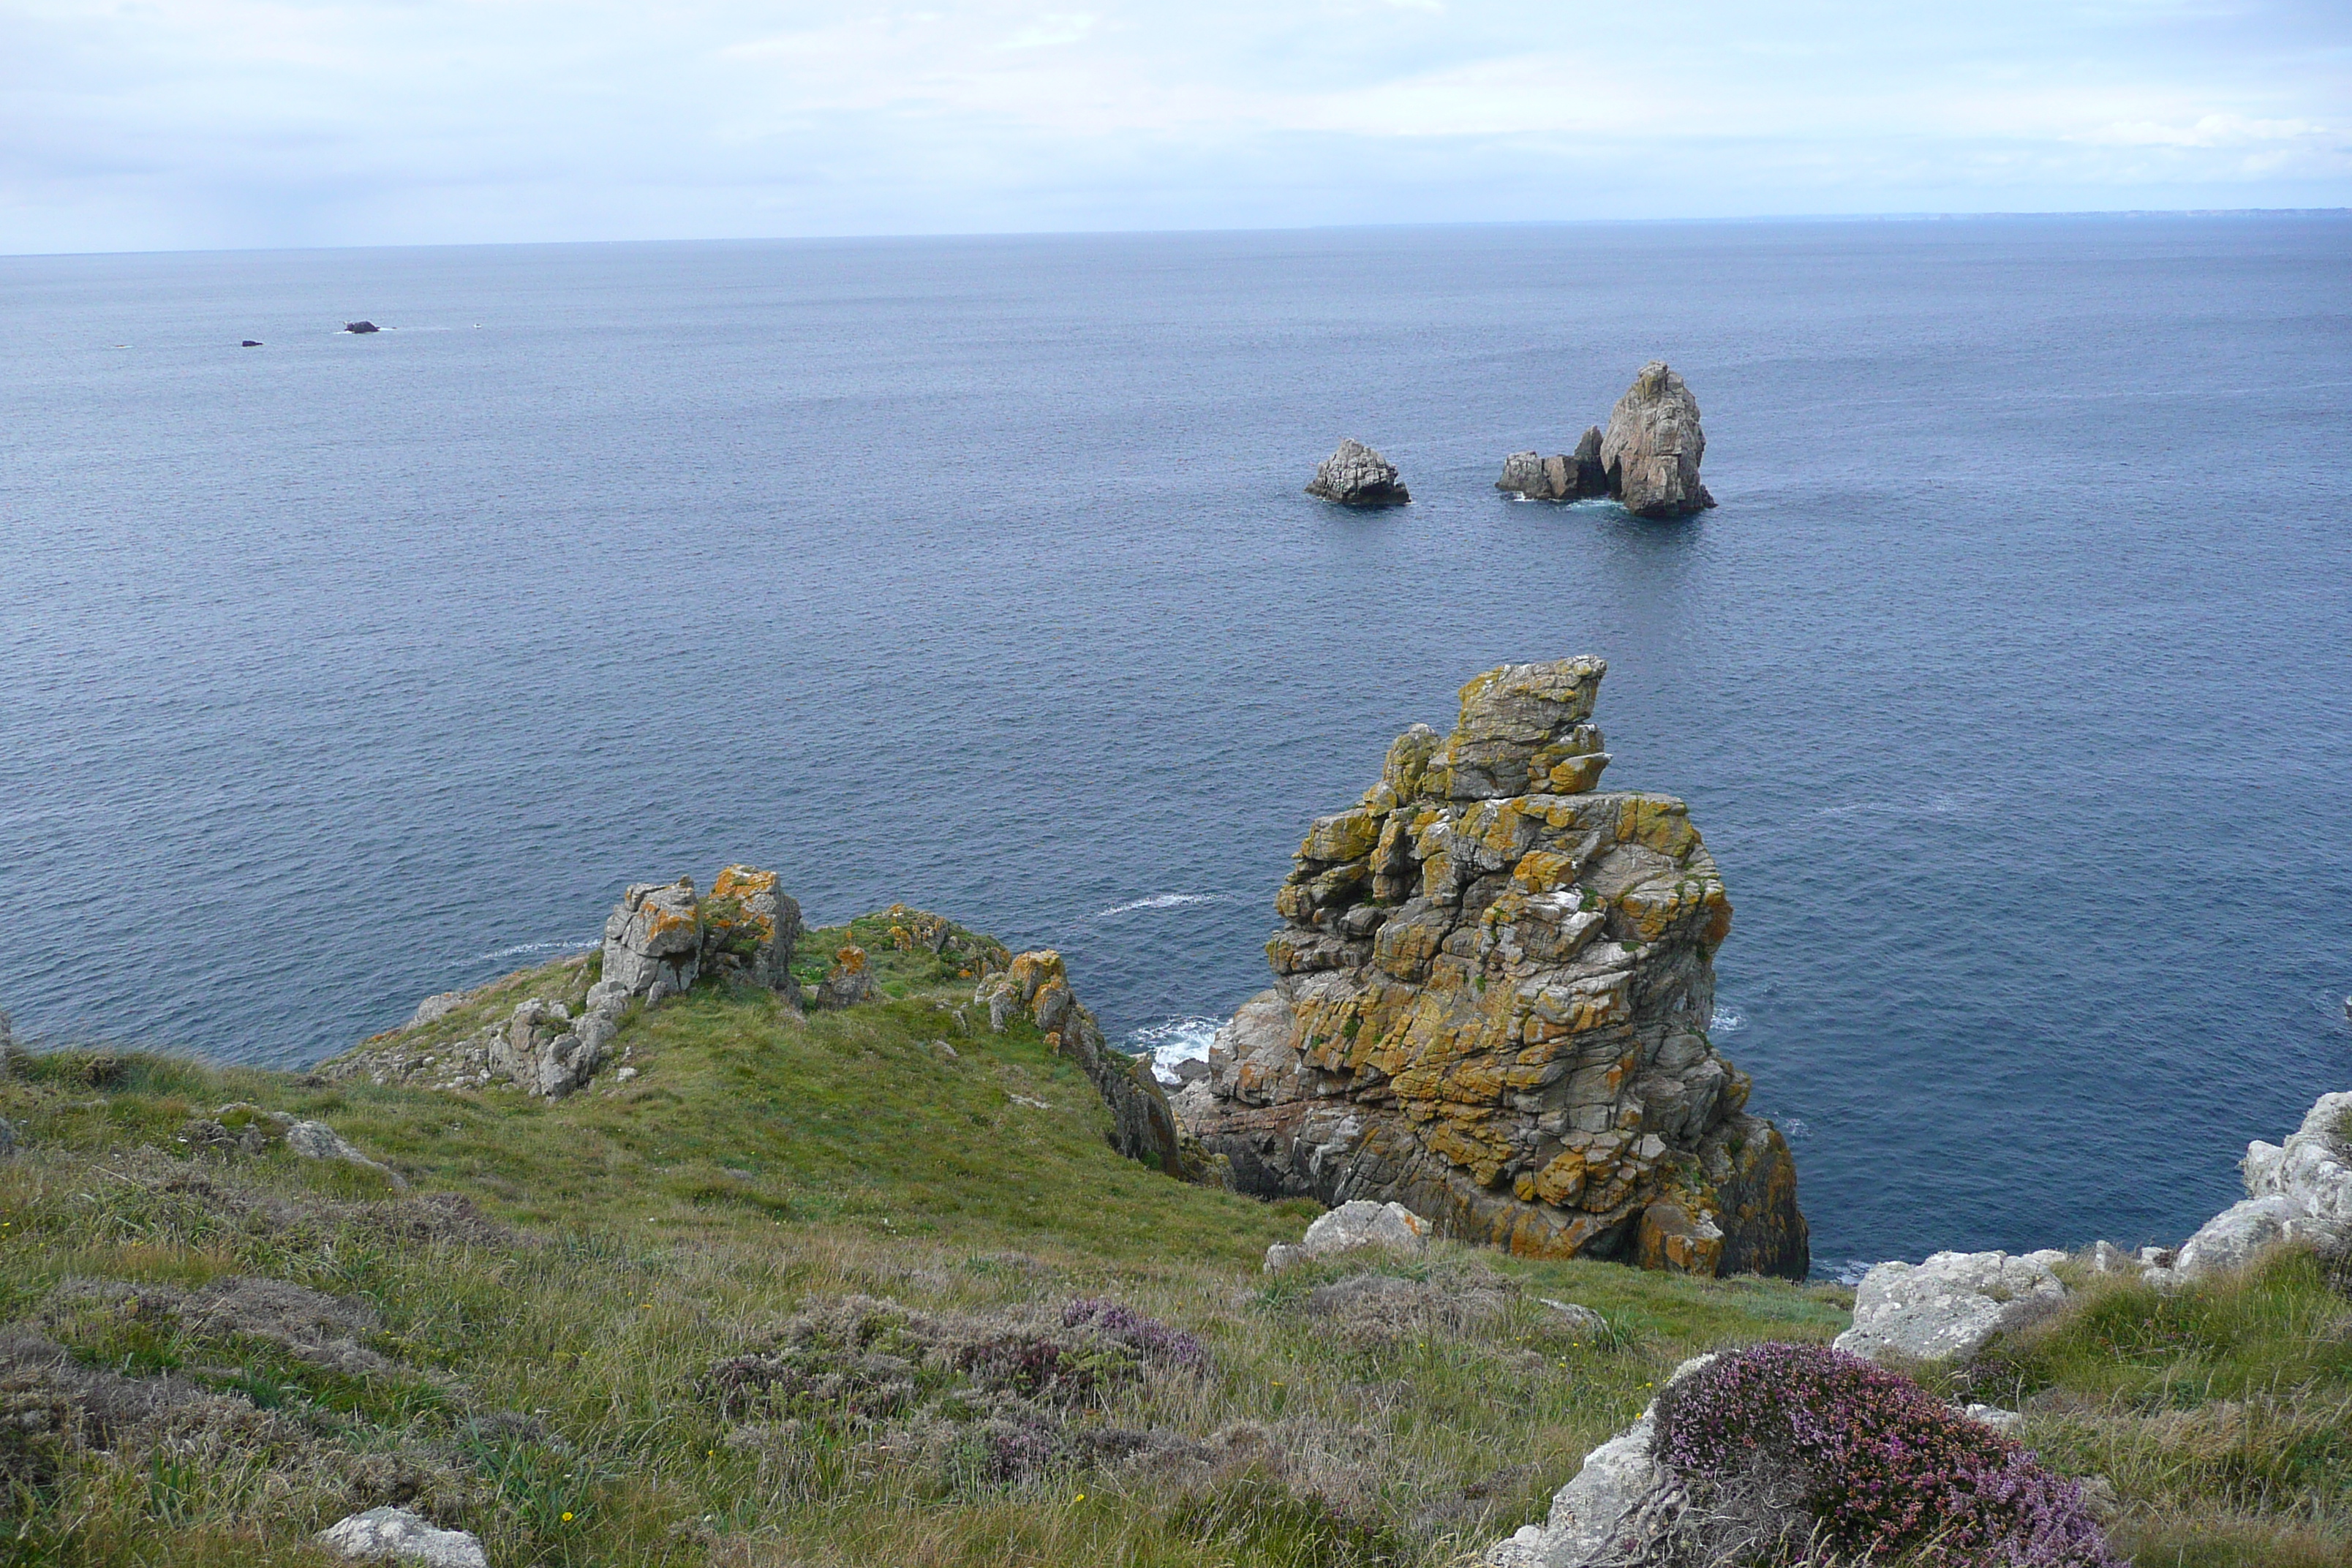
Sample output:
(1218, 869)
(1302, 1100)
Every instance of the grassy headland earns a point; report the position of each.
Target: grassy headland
(800, 1292)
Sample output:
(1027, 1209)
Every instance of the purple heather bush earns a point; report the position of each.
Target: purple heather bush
(1155, 1339)
(1880, 1465)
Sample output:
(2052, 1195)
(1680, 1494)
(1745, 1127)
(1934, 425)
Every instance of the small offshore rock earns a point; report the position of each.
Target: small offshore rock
(1355, 475)
(1558, 477)
(397, 1535)
(1651, 452)
(361, 328)
(1949, 1306)
(250, 343)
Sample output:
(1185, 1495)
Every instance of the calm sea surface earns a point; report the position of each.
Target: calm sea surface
(2011, 683)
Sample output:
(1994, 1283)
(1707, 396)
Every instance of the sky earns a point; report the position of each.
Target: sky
(168, 124)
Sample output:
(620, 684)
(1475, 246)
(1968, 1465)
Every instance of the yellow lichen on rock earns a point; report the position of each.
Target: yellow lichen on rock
(1492, 989)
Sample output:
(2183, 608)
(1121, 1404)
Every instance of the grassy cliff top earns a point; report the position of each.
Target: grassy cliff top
(871, 1287)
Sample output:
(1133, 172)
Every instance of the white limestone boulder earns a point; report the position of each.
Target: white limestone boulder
(396, 1535)
(1391, 1228)
(1949, 1306)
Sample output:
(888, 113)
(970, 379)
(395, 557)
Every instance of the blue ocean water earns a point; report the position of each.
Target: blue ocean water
(2011, 684)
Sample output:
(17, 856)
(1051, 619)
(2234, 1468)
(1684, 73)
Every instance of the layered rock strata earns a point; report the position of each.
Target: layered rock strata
(1355, 475)
(1492, 990)
(1651, 449)
(1037, 987)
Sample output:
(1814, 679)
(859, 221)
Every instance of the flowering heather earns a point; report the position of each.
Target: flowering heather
(1154, 1338)
(1880, 1464)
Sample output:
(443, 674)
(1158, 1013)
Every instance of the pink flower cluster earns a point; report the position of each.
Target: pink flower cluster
(1880, 1464)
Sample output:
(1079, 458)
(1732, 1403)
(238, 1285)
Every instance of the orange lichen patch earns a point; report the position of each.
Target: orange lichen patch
(852, 960)
(1657, 823)
(1560, 1181)
(1543, 871)
(1347, 836)
(1034, 971)
(1575, 775)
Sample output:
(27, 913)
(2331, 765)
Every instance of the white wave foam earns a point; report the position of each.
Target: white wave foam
(522, 949)
(1171, 1042)
(1164, 902)
(1727, 1021)
(1851, 1271)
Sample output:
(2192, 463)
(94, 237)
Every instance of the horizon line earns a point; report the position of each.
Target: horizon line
(1014, 233)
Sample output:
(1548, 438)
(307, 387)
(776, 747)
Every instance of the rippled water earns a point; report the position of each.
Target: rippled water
(2012, 684)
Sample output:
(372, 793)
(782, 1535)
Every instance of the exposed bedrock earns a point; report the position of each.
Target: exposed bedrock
(1492, 989)
(1036, 986)
(1355, 475)
(1651, 449)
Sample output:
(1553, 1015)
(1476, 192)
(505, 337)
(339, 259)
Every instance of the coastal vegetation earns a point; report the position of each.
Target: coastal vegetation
(870, 1286)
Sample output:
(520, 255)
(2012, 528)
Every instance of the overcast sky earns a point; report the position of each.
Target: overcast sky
(146, 124)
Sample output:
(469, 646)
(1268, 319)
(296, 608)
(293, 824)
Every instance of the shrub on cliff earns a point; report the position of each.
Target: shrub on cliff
(1857, 1461)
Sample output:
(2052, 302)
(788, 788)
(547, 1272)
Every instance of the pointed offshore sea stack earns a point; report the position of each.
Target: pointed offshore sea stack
(1355, 475)
(1492, 989)
(1651, 451)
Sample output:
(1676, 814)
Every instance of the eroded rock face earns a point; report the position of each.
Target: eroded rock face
(1355, 475)
(1492, 988)
(1652, 449)
(1036, 986)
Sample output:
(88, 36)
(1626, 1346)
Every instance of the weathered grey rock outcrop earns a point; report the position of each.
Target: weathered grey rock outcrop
(1391, 1228)
(1620, 1508)
(1949, 1306)
(1355, 475)
(396, 1535)
(1143, 1127)
(1652, 449)
(664, 936)
(1561, 477)
(2300, 1191)
(1491, 996)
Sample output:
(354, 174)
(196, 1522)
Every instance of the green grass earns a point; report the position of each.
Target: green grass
(550, 1382)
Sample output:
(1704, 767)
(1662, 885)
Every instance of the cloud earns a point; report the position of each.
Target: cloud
(276, 121)
(1056, 27)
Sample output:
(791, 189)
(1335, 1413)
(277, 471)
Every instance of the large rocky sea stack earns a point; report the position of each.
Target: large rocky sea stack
(1492, 990)
(1651, 449)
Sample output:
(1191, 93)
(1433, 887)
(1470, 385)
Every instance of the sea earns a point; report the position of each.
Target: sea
(2011, 683)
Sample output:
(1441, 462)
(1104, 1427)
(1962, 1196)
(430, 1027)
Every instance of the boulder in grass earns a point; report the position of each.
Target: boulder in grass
(396, 1535)
(1391, 1228)
(1949, 1306)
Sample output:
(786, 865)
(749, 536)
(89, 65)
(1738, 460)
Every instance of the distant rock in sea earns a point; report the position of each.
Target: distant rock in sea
(1562, 477)
(1652, 450)
(355, 327)
(1648, 458)
(250, 343)
(1355, 475)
